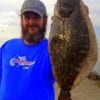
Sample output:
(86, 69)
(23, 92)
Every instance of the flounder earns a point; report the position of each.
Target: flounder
(72, 45)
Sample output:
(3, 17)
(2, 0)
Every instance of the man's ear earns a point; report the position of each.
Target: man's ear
(45, 19)
(21, 19)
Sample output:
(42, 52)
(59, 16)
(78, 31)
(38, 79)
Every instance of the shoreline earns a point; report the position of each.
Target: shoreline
(86, 90)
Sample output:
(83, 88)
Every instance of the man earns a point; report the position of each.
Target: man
(25, 68)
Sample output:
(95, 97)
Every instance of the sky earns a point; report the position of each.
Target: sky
(10, 19)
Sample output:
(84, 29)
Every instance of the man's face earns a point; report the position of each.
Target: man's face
(33, 27)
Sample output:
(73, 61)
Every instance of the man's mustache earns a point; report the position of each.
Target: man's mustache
(32, 26)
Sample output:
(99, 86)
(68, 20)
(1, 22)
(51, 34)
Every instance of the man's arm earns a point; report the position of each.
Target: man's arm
(85, 8)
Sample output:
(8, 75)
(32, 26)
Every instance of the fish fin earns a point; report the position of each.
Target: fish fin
(64, 95)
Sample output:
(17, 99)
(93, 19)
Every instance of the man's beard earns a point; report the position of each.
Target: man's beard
(35, 37)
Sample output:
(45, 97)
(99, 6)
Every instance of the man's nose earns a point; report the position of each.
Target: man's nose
(31, 21)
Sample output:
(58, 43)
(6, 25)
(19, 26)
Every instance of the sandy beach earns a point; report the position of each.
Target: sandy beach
(87, 90)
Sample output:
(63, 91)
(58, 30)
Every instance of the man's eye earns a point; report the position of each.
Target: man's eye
(34, 17)
(27, 17)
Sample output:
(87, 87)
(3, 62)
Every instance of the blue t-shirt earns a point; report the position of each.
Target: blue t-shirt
(25, 71)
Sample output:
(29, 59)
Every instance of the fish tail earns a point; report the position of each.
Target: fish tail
(64, 95)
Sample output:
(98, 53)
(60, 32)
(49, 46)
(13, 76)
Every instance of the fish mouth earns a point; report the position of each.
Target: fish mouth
(66, 7)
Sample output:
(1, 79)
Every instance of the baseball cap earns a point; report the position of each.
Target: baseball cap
(36, 6)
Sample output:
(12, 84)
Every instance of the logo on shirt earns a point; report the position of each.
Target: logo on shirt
(21, 61)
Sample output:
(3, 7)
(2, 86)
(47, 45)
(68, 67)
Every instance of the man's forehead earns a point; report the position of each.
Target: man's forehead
(30, 13)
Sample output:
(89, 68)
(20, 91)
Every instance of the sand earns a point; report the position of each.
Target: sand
(87, 90)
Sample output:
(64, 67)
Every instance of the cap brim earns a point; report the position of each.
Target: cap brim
(32, 10)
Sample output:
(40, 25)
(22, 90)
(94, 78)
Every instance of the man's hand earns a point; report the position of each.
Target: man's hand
(85, 8)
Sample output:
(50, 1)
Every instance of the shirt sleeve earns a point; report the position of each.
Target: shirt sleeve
(2, 48)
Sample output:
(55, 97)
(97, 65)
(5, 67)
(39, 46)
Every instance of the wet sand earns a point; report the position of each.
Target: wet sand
(87, 90)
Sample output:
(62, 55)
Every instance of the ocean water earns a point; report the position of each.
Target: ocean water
(97, 66)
